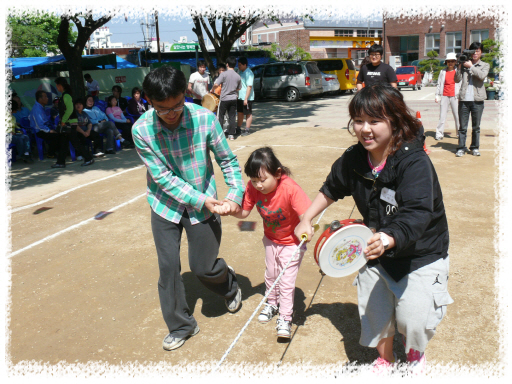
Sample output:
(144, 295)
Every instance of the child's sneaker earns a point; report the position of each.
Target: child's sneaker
(284, 328)
(383, 367)
(267, 313)
(417, 362)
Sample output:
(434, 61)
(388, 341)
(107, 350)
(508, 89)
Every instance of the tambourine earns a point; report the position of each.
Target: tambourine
(339, 251)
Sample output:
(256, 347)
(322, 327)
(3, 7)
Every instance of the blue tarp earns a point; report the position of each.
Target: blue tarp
(25, 65)
(192, 62)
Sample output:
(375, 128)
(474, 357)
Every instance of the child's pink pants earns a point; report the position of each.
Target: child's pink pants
(276, 258)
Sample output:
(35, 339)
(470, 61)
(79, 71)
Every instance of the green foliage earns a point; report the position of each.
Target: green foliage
(491, 52)
(431, 65)
(35, 34)
(291, 52)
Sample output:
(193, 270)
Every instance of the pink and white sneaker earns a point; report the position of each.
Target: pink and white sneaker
(382, 367)
(417, 362)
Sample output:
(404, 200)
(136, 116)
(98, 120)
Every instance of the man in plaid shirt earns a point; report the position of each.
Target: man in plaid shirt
(174, 140)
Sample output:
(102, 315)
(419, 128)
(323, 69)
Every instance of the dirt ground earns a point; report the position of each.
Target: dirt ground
(89, 294)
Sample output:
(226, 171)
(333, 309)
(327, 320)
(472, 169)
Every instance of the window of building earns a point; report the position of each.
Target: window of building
(343, 32)
(432, 42)
(259, 39)
(379, 32)
(479, 35)
(363, 33)
(453, 42)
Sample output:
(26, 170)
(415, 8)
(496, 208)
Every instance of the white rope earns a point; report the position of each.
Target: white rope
(304, 238)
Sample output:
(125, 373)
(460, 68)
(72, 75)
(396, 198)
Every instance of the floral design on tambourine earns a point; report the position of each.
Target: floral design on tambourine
(346, 253)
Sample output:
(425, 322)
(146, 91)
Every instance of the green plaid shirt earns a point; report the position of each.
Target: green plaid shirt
(179, 169)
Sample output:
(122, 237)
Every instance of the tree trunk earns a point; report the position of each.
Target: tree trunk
(76, 79)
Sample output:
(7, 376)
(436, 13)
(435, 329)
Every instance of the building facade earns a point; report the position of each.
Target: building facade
(321, 38)
(412, 39)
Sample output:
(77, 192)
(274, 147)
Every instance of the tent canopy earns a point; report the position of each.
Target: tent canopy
(25, 65)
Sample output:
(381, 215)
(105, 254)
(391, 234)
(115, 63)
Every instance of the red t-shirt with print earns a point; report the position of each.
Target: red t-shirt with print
(280, 209)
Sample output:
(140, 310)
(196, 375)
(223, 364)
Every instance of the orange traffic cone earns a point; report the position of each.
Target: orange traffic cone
(427, 151)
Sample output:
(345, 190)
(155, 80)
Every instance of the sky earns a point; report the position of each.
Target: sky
(130, 32)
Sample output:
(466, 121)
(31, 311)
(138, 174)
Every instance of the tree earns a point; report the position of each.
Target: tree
(431, 65)
(492, 53)
(234, 24)
(73, 53)
(291, 52)
(35, 34)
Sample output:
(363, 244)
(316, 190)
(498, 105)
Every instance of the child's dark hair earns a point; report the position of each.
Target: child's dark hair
(382, 101)
(264, 158)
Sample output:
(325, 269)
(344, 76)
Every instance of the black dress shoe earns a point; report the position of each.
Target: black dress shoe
(57, 165)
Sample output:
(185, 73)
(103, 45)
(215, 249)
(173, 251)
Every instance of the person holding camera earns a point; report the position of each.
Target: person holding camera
(472, 74)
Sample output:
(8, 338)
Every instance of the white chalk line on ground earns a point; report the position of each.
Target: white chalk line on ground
(73, 189)
(430, 94)
(72, 227)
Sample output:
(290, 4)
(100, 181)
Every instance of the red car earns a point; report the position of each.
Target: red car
(408, 77)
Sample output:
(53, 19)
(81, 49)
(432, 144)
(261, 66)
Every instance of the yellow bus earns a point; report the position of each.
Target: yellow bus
(344, 70)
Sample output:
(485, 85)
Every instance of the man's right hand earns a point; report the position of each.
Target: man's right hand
(210, 203)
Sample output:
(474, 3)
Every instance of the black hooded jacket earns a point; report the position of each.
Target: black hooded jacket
(405, 202)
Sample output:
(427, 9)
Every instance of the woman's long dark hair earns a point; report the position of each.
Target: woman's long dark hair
(264, 158)
(382, 101)
(62, 81)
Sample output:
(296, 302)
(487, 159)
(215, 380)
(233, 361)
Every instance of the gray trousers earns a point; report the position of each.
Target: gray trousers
(203, 248)
(417, 303)
(447, 101)
(109, 129)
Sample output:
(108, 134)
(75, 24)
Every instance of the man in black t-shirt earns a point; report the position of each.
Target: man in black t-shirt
(376, 71)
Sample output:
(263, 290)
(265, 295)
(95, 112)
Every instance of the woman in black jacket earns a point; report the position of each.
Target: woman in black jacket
(397, 192)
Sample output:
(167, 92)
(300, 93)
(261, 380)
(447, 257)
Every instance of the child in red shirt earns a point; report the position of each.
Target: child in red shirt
(281, 203)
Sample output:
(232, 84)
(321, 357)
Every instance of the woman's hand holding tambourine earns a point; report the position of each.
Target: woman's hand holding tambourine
(376, 246)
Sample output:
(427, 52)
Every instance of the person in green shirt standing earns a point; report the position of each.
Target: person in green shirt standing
(66, 128)
(174, 140)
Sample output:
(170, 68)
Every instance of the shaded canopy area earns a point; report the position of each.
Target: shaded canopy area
(28, 65)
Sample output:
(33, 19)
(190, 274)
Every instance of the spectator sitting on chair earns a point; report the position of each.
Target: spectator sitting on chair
(19, 139)
(85, 129)
(101, 124)
(41, 126)
(22, 111)
(136, 106)
(124, 124)
(93, 88)
(54, 111)
(121, 101)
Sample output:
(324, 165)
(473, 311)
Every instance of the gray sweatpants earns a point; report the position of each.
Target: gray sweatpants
(417, 302)
(203, 248)
(447, 101)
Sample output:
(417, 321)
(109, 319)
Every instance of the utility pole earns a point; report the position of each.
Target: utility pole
(157, 37)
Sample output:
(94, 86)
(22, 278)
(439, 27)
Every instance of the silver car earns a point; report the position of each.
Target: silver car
(330, 83)
(287, 79)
